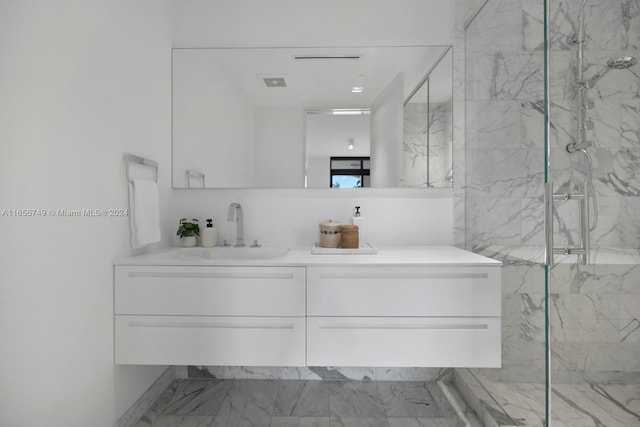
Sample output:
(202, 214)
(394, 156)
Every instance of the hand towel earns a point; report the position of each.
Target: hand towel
(145, 224)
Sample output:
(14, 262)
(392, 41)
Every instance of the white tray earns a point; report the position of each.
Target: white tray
(368, 248)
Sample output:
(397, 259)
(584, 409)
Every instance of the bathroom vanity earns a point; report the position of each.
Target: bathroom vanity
(431, 306)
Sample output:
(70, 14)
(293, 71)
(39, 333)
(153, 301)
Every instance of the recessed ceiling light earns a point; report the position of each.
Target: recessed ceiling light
(349, 111)
(358, 84)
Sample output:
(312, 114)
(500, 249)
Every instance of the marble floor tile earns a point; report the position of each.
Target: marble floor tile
(159, 406)
(571, 405)
(408, 399)
(302, 399)
(609, 405)
(248, 403)
(197, 397)
(419, 422)
(297, 403)
(183, 421)
(300, 422)
(355, 400)
(337, 421)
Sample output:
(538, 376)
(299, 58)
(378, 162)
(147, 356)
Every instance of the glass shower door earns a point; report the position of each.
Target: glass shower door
(593, 150)
(504, 175)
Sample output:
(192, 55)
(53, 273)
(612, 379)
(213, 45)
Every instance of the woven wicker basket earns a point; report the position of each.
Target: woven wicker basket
(330, 234)
(349, 237)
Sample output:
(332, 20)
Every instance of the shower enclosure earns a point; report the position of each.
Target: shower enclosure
(547, 111)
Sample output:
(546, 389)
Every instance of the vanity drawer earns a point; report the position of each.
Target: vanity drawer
(218, 291)
(403, 291)
(394, 342)
(210, 340)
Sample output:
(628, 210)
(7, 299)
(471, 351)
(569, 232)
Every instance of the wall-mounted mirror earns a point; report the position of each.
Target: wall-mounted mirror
(274, 117)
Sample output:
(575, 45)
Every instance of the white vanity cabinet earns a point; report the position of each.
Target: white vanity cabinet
(403, 316)
(210, 315)
(403, 307)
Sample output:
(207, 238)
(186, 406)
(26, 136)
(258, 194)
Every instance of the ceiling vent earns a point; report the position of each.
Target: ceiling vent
(274, 82)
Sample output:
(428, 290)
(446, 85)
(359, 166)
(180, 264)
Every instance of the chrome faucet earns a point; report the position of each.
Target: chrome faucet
(235, 213)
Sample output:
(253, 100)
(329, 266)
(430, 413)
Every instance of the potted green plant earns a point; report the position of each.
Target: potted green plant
(188, 232)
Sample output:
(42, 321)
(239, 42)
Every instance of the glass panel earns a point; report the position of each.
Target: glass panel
(504, 171)
(595, 154)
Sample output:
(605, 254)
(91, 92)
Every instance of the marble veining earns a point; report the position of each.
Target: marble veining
(499, 129)
(500, 86)
(302, 399)
(508, 404)
(183, 421)
(145, 406)
(426, 144)
(301, 403)
(300, 422)
(593, 312)
(247, 403)
(320, 373)
(409, 398)
(355, 400)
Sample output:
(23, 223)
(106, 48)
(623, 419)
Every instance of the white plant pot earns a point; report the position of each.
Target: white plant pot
(189, 241)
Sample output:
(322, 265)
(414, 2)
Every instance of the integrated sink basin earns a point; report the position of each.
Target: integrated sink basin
(231, 252)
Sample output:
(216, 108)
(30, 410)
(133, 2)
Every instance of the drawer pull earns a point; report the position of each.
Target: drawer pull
(406, 276)
(150, 324)
(203, 275)
(460, 326)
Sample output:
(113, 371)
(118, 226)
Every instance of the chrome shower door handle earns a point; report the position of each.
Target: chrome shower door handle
(548, 223)
(585, 225)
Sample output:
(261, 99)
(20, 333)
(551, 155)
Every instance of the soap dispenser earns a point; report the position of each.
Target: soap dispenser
(209, 235)
(358, 220)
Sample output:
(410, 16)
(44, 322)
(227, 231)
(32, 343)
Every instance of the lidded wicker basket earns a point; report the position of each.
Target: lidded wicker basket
(330, 234)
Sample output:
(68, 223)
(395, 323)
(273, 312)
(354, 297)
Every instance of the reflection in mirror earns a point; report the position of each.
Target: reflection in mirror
(350, 172)
(428, 130)
(242, 117)
(334, 134)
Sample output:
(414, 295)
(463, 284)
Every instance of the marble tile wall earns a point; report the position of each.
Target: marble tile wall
(415, 147)
(498, 186)
(427, 145)
(320, 373)
(499, 71)
(594, 317)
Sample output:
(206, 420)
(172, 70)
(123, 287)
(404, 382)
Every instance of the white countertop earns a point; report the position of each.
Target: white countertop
(432, 256)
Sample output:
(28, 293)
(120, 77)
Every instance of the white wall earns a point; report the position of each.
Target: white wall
(318, 171)
(82, 82)
(310, 22)
(401, 215)
(291, 217)
(387, 120)
(201, 95)
(278, 136)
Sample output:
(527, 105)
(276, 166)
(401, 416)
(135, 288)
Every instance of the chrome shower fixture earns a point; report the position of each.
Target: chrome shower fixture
(621, 63)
